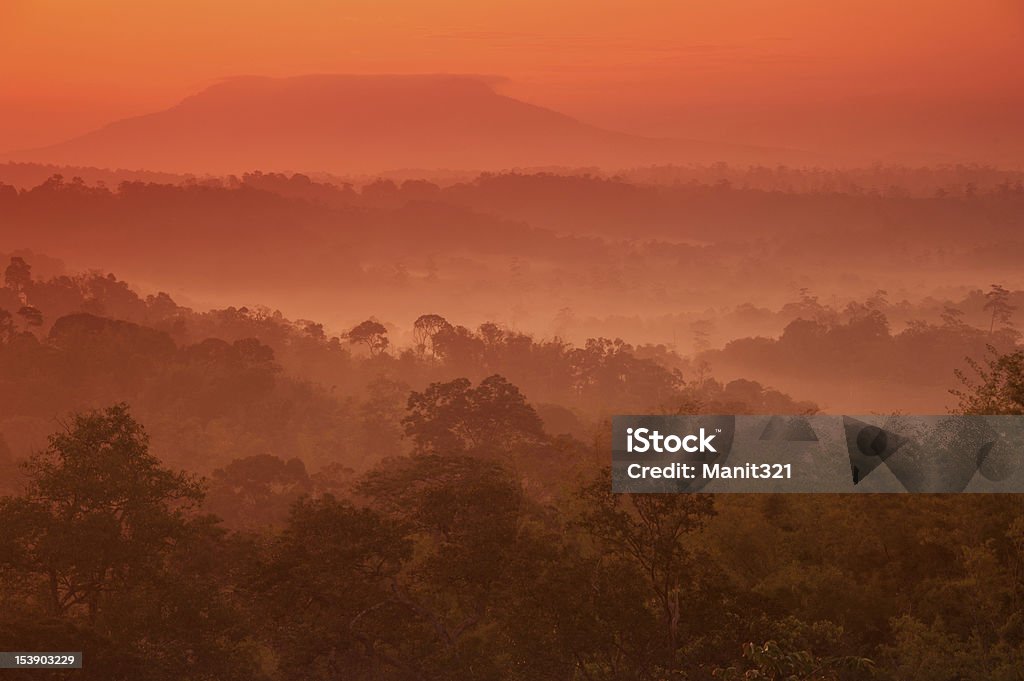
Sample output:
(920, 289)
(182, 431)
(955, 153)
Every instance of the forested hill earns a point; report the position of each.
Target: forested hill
(439, 510)
(224, 384)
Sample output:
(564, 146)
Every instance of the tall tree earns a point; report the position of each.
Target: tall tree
(99, 507)
(652, 532)
(998, 303)
(372, 334)
(104, 540)
(425, 329)
(457, 418)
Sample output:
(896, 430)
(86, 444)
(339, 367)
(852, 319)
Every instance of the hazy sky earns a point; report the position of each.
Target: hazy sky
(808, 73)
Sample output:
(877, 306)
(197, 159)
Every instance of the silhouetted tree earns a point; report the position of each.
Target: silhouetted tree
(998, 302)
(99, 506)
(425, 329)
(104, 540)
(455, 417)
(18, 274)
(372, 334)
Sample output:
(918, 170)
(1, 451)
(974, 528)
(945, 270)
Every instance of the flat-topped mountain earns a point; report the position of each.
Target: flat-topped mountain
(348, 123)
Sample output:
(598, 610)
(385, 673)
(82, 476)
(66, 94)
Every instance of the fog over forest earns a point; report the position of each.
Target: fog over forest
(274, 427)
(339, 340)
(713, 272)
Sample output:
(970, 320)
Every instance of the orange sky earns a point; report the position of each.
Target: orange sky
(808, 73)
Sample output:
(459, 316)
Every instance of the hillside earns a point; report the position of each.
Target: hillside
(344, 123)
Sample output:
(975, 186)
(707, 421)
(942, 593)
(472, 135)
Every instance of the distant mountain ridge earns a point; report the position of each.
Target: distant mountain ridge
(353, 123)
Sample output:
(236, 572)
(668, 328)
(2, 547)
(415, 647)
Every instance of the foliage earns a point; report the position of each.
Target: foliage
(771, 662)
(441, 511)
(1000, 389)
(372, 334)
(105, 541)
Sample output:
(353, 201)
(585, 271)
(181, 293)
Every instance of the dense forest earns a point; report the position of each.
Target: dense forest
(209, 384)
(684, 265)
(232, 494)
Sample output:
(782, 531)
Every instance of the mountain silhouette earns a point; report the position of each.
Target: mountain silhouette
(350, 123)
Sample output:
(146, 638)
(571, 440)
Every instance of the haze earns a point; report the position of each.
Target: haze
(860, 81)
(314, 317)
